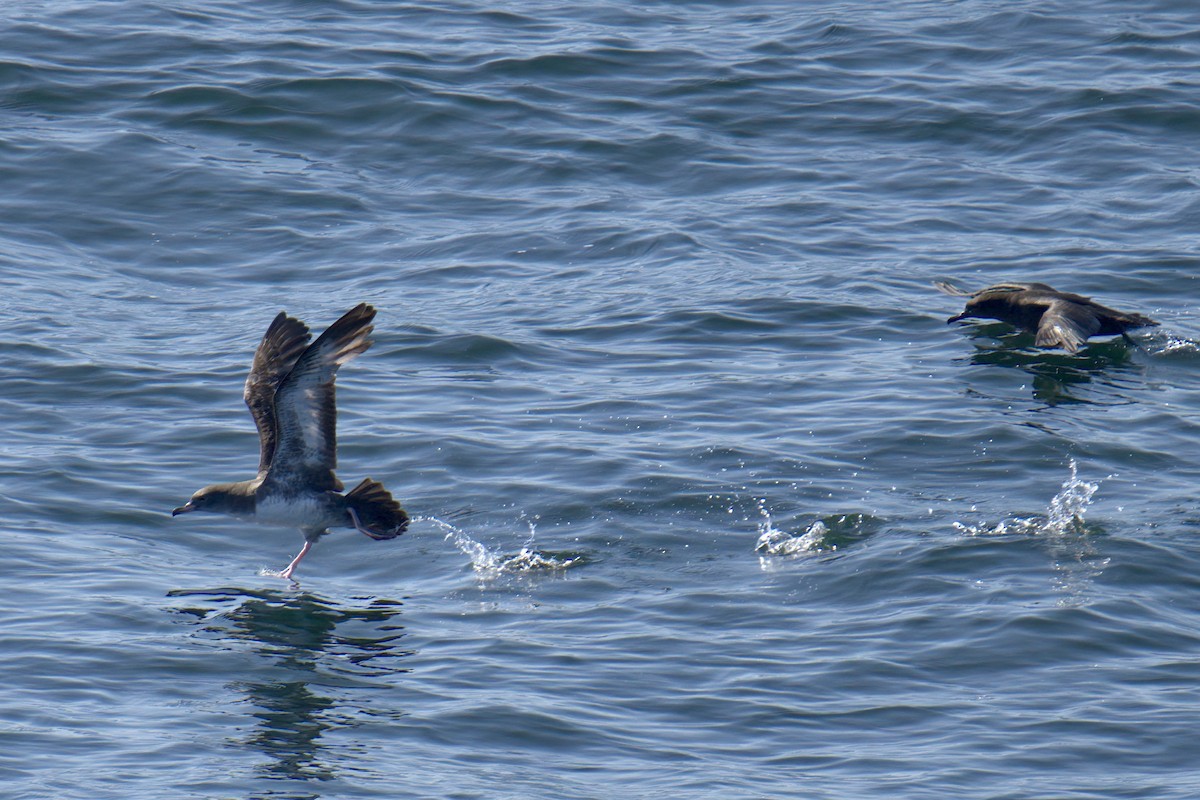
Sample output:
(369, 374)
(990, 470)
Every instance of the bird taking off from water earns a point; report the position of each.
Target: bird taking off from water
(290, 393)
(1059, 319)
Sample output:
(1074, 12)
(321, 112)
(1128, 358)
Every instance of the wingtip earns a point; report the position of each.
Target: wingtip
(364, 310)
(945, 287)
(285, 325)
(357, 319)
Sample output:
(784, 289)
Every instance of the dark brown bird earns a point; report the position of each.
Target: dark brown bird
(1060, 319)
(290, 394)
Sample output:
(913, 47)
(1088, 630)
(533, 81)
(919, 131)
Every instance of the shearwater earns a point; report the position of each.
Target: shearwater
(1059, 319)
(291, 397)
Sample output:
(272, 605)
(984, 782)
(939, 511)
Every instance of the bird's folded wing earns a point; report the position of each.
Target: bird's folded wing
(277, 353)
(1066, 325)
(305, 404)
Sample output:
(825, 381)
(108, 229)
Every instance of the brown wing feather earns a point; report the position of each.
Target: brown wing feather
(305, 407)
(281, 345)
(1067, 325)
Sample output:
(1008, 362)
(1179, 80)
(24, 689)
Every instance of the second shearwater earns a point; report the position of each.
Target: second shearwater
(1059, 319)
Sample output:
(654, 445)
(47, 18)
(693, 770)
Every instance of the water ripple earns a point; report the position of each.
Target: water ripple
(653, 283)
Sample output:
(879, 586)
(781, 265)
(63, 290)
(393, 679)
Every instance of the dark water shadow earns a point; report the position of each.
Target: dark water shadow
(314, 650)
(1056, 376)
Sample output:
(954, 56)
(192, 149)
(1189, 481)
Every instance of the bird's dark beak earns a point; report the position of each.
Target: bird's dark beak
(958, 318)
(183, 509)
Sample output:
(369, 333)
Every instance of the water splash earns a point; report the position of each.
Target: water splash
(490, 564)
(1069, 505)
(481, 557)
(1065, 514)
(1175, 344)
(775, 542)
(1164, 342)
(267, 572)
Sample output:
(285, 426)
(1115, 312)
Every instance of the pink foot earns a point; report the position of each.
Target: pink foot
(286, 572)
(358, 525)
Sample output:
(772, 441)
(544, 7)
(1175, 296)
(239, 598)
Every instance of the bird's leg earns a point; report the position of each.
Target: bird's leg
(290, 568)
(358, 525)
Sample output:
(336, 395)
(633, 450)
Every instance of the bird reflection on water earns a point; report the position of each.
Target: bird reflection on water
(1056, 376)
(319, 649)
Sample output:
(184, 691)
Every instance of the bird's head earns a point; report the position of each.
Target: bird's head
(968, 312)
(986, 305)
(220, 498)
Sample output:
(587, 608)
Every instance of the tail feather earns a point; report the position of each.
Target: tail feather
(378, 512)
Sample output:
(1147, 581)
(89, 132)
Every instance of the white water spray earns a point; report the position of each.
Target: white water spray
(1065, 514)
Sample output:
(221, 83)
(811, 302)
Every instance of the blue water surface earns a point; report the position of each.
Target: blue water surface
(708, 500)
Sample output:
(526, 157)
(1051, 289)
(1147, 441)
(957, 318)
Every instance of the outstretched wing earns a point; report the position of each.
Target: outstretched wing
(1018, 286)
(998, 288)
(305, 407)
(945, 287)
(1067, 325)
(281, 345)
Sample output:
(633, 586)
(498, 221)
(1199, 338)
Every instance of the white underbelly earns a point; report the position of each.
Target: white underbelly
(296, 512)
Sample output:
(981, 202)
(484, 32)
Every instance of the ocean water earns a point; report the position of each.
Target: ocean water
(708, 500)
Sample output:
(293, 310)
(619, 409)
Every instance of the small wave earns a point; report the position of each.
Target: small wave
(490, 564)
(1065, 514)
(1174, 344)
(1168, 343)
